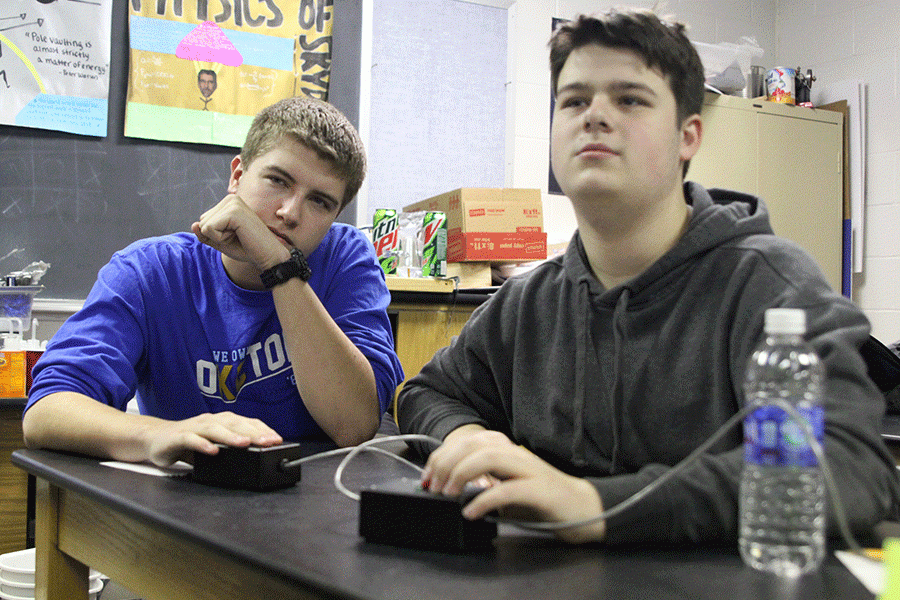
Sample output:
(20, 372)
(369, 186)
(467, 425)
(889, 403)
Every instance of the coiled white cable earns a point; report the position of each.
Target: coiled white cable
(369, 446)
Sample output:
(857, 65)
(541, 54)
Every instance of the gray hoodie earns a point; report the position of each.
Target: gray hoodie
(619, 384)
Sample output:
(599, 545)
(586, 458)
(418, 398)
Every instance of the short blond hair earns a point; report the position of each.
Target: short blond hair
(317, 125)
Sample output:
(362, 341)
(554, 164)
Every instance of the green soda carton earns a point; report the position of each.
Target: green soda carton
(434, 244)
(385, 237)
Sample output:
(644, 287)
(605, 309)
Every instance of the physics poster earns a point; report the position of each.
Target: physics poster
(201, 69)
(54, 64)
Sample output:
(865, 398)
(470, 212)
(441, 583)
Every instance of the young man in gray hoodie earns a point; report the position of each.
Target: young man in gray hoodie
(581, 382)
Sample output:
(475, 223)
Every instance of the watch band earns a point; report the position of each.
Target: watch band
(296, 266)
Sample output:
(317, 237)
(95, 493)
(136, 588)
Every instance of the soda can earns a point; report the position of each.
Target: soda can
(780, 85)
(385, 226)
(434, 244)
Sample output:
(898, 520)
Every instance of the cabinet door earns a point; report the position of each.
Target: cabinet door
(13, 483)
(421, 330)
(800, 180)
(791, 159)
(727, 157)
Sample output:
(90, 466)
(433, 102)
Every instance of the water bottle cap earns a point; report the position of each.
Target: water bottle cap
(786, 320)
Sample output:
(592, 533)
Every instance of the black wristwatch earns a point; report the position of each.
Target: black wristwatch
(295, 267)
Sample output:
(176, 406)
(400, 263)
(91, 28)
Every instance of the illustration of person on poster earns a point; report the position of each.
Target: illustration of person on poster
(207, 81)
(54, 64)
(201, 70)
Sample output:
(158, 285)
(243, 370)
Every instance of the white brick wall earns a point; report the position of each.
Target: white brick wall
(858, 39)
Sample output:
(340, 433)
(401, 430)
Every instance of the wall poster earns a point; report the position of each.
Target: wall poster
(54, 64)
(201, 69)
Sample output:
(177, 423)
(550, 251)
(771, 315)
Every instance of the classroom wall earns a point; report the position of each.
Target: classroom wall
(436, 101)
(859, 39)
(838, 39)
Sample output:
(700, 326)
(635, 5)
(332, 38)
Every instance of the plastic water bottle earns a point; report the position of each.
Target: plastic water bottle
(782, 494)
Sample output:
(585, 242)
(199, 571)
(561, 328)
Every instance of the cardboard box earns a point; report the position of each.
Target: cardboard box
(491, 224)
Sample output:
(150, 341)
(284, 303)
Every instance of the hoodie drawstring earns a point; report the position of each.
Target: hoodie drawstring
(620, 333)
(584, 333)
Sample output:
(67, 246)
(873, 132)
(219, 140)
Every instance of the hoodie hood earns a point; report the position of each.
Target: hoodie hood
(719, 217)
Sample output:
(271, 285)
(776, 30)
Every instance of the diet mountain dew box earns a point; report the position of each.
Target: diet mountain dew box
(434, 244)
(491, 224)
(385, 237)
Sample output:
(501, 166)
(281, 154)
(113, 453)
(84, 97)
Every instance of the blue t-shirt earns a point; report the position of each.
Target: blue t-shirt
(165, 323)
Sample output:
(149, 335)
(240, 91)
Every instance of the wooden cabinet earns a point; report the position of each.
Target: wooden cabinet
(792, 157)
(425, 315)
(13, 481)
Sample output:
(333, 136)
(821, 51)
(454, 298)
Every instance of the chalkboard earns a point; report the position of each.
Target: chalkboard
(72, 201)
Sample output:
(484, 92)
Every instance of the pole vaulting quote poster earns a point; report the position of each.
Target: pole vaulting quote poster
(54, 64)
(202, 69)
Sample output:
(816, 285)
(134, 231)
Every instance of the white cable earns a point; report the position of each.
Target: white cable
(646, 490)
(808, 433)
(339, 451)
(354, 450)
(338, 473)
(830, 482)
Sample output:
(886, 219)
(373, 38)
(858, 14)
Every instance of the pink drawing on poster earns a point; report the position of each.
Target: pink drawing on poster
(208, 43)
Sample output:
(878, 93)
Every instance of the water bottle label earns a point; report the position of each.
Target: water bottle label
(773, 438)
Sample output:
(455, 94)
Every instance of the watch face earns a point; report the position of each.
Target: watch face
(295, 267)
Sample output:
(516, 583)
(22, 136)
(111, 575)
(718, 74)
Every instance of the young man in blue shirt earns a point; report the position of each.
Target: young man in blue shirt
(265, 324)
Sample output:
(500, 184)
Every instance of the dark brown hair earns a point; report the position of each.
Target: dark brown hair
(662, 44)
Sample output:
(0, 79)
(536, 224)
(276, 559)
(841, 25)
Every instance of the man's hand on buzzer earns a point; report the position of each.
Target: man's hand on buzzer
(234, 229)
(170, 441)
(522, 484)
